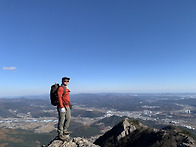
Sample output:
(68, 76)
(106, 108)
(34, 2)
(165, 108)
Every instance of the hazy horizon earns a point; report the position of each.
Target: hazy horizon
(105, 93)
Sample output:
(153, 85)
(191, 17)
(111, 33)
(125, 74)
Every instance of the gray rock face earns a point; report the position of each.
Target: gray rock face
(128, 127)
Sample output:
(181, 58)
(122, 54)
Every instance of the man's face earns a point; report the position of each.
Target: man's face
(66, 82)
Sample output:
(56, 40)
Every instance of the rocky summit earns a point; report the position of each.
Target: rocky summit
(132, 133)
(71, 142)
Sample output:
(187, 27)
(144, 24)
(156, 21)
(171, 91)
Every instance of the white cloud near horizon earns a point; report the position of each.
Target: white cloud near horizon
(9, 68)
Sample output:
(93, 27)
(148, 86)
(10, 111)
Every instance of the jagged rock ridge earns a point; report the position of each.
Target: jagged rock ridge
(132, 133)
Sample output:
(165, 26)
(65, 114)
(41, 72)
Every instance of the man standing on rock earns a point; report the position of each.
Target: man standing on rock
(64, 108)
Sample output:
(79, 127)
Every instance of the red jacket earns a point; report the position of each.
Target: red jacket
(63, 99)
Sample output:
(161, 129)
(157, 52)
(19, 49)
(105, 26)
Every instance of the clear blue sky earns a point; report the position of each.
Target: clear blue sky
(103, 45)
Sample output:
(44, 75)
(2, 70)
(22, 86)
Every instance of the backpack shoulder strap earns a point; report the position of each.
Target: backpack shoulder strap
(64, 89)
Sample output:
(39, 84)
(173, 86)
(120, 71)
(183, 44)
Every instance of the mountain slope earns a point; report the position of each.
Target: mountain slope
(132, 133)
(22, 138)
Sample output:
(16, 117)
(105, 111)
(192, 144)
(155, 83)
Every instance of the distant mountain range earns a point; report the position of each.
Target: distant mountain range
(133, 102)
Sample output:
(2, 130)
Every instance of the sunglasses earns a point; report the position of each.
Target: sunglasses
(66, 81)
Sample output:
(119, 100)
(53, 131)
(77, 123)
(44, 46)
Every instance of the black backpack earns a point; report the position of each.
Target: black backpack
(53, 94)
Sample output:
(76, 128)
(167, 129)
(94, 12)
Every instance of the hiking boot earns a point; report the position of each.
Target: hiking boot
(67, 133)
(62, 137)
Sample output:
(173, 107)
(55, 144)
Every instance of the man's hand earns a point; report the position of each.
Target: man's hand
(70, 105)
